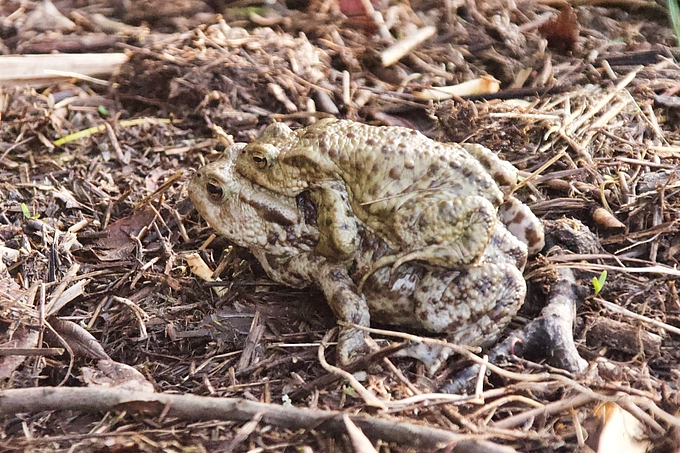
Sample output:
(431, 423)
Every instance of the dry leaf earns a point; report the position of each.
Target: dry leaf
(47, 17)
(202, 271)
(360, 14)
(67, 197)
(111, 374)
(562, 33)
(606, 220)
(118, 243)
(612, 429)
(23, 338)
(10, 299)
(482, 85)
(82, 343)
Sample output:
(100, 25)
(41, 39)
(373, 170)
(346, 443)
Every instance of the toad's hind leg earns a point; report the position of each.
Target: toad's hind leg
(472, 308)
(502, 172)
(523, 224)
(441, 230)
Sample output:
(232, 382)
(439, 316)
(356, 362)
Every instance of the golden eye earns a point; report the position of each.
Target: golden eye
(214, 190)
(260, 161)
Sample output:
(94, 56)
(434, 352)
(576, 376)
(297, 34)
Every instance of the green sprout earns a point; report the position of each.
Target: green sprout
(27, 212)
(674, 14)
(103, 111)
(349, 391)
(598, 282)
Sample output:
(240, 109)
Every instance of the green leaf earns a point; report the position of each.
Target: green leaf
(27, 212)
(674, 14)
(349, 391)
(598, 282)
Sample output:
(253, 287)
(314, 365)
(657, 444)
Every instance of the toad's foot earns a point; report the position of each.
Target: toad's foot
(523, 224)
(500, 170)
(469, 307)
(444, 230)
(432, 255)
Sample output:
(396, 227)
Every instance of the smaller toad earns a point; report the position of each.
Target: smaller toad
(433, 202)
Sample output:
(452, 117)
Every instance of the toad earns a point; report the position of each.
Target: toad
(429, 201)
(470, 305)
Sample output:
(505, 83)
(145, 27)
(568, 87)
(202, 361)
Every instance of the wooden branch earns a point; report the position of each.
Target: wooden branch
(33, 69)
(402, 47)
(550, 335)
(47, 352)
(196, 408)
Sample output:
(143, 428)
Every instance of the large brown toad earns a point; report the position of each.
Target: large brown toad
(470, 306)
(430, 201)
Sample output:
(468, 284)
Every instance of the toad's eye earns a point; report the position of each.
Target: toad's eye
(214, 190)
(260, 161)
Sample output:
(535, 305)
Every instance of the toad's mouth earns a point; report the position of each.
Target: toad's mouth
(271, 210)
(270, 206)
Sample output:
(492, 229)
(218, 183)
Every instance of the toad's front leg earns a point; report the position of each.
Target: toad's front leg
(338, 227)
(343, 298)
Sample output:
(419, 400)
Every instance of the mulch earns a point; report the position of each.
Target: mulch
(96, 228)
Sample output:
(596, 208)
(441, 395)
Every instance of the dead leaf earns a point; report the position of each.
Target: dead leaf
(82, 343)
(46, 17)
(152, 178)
(23, 338)
(112, 374)
(67, 197)
(360, 14)
(11, 299)
(606, 220)
(118, 244)
(612, 429)
(202, 271)
(562, 33)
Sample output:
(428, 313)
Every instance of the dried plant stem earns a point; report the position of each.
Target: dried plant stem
(196, 408)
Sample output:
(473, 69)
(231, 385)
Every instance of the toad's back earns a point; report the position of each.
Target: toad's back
(385, 166)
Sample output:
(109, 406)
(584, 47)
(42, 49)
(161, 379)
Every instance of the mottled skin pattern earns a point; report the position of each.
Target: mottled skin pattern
(430, 201)
(470, 306)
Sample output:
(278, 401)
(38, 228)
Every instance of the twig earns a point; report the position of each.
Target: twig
(547, 410)
(369, 398)
(30, 69)
(624, 311)
(124, 158)
(360, 442)
(201, 408)
(465, 351)
(398, 50)
(357, 365)
(47, 352)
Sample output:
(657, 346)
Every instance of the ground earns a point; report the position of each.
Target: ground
(96, 230)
